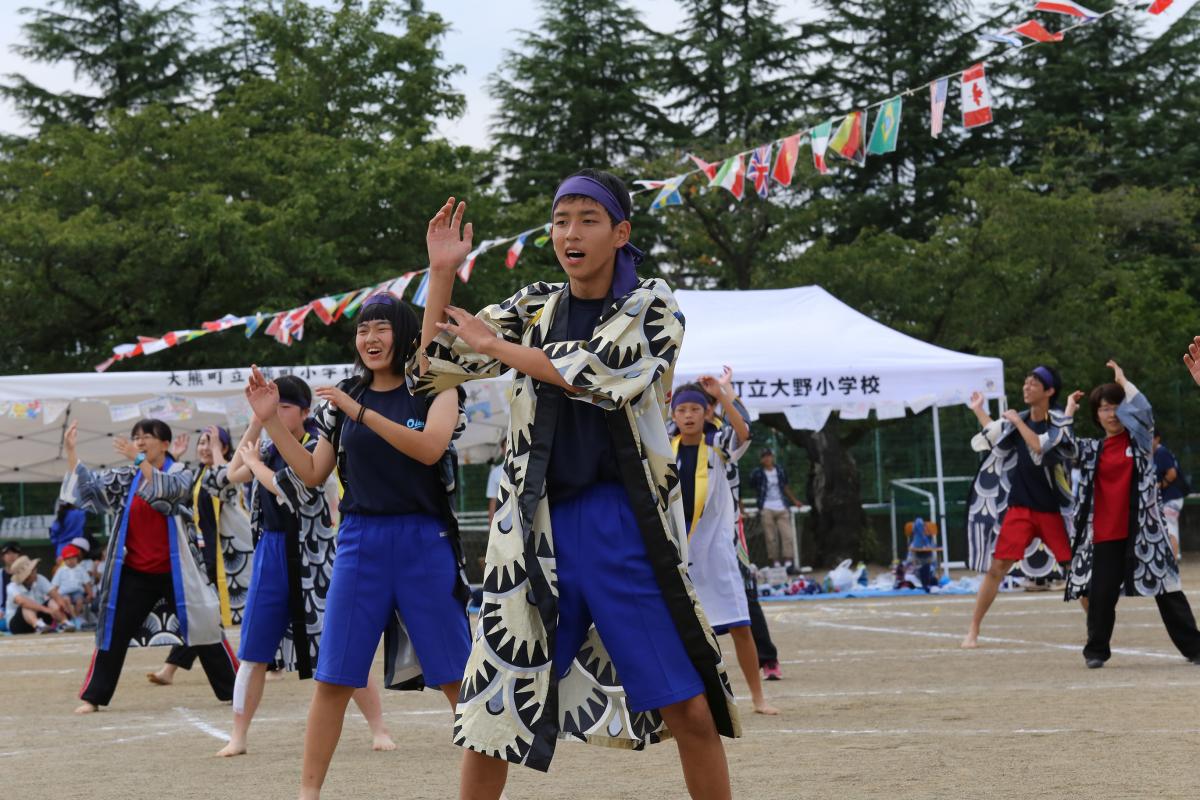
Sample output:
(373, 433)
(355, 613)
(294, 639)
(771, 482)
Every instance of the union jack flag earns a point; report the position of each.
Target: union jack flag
(760, 169)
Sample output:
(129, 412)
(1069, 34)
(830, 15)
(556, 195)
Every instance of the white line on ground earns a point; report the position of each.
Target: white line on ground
(201, 725)
(987, 639)
(972, 731)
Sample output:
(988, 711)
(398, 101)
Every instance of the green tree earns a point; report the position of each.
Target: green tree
(576, 93)
(133, 54)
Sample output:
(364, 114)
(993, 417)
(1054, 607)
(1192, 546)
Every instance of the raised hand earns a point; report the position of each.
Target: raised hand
(1192, 359)
(1118, 373)
(466, 326)
(726, 376)
(342, 401)
(179, 446)
(1012, 415)
(976, 402)
(125, 447)
(71, 444)
(249, 452)
(262, 395)
(447, 240)
(1073, 402)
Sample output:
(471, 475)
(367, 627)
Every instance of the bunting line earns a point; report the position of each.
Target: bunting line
(848, 140)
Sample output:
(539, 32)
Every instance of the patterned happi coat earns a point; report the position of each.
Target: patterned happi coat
(1155, 570)
(987, 501)
(195, 618)
(511, 704)
(237, 545)
(315, 535)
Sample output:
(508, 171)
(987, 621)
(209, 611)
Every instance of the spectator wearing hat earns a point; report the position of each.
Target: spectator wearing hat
(33, 605)
(74, 582)
(11, 552)
(775, 501)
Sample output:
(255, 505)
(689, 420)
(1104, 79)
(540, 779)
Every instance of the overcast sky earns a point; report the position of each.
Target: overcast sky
(481, 31)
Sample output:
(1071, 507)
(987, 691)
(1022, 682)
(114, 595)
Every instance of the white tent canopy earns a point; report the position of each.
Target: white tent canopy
(35, 409)
(798, 351)
(805, 353)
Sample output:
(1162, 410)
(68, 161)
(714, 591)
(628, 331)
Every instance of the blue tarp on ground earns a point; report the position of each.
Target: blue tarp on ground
(860, 593)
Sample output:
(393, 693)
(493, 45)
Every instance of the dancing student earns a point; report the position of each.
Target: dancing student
(222, 527)
(589, 627)
(293, 562)
(1022, 489)
(709, 517)
(1120, 538)
(768, 654)
(398, 551)
(150, 573)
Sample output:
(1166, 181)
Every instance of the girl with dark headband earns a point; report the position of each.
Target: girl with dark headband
(589, 627)
(399, 564)
(1022, 490)
(1121, 543)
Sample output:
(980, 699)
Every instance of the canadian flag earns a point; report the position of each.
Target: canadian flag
(976, 100)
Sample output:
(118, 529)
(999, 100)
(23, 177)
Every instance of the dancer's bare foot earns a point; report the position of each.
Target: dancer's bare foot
(87, 708)
(232, 749)
(161, 678)
(763, 707)
(382, 743)
(971, 640)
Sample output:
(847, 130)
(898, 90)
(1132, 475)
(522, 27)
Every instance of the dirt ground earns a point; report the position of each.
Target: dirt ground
(877, 700)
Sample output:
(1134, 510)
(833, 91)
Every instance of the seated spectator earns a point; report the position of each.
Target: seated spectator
(33, 605)
(74, 583)
(922, 548)
(11, 552)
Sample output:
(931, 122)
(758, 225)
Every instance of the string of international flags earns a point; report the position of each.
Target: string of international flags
(773, 161)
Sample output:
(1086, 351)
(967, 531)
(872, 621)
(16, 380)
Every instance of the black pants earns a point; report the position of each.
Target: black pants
(136, 598)
(1110, 569)
(758, 621)
(19, 625)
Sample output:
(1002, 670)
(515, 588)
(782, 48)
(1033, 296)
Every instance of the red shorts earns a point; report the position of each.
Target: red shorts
(1022, 525)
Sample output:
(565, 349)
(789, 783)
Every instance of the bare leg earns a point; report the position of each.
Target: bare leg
(324, 728)
(482, 777)
(747, 656)
(983, 601)
(241, 721)
(165, 675)
(1083, 603)
(701, 753)
(370, 704)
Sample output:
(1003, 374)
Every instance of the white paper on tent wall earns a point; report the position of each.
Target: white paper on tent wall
(53, 409)
(807, 418)
(168, 408)
(889, 410)
(237, 412)
(123, 412)
(210, 405)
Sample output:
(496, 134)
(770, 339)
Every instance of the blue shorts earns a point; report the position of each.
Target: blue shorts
(384, 565)
(268, 609)
(605, 578)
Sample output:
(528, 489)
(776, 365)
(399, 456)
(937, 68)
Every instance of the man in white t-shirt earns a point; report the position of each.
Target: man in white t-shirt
(775, 500)
(32, 604)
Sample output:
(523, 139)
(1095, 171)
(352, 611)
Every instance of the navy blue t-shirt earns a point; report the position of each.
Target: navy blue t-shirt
(686, 460)
(379, 479)
(582, 452)
(275, 516)
(1030, 488)
(1165, 461)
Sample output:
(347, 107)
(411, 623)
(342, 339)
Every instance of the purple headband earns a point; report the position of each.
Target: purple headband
(380, 297)
(1045, 376)
(628, 257)
(689, 396)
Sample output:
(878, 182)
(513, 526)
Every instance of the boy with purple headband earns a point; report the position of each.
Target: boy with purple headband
(590, 628)
(1022, 489)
